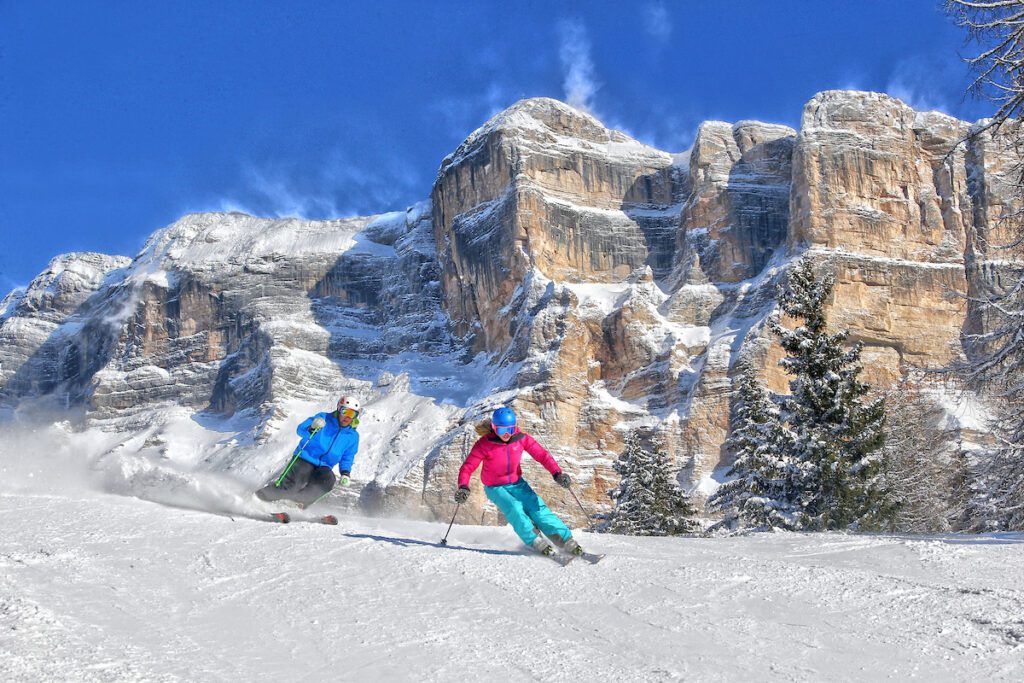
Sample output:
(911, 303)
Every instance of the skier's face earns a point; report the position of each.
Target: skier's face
(504, 432)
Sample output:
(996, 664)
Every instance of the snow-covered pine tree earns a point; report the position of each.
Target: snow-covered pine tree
(836, 435)
(760, 494)
(647, 501)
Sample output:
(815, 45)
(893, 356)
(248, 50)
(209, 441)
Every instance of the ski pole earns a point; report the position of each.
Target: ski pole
(444, 541)
(295, 458)
(589, 519)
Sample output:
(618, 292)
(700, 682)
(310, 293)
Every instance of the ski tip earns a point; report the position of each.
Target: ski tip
(282, 517)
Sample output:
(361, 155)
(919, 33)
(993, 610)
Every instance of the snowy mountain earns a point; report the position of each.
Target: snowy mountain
(596, 283)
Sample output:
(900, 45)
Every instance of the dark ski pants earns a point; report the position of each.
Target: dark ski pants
(305, 484)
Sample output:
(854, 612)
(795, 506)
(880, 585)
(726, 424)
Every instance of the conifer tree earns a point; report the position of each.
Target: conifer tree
(923, 467)
(836, 435)
(647, 501)
(760, 494)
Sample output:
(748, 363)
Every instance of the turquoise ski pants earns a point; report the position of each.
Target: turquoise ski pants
(524, 510)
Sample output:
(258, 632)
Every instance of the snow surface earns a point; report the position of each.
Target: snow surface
(531, 116)
(96, 586)
(605, 297)
(218, 239)
(963, 410)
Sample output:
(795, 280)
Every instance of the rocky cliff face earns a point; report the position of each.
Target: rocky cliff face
(740, 199)
(542, 187)
(37, 325)
(596, 284)
(907, 220)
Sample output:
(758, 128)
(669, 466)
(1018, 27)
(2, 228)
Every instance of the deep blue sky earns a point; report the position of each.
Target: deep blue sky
(118, 117)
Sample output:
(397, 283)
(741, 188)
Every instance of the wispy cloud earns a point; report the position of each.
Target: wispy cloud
(334, 187)
(578, 79)
(928, 83)
(657, 22)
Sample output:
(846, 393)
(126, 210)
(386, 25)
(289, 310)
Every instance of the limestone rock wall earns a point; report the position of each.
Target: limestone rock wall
(892, 199)
(739, 203)
(545, 186)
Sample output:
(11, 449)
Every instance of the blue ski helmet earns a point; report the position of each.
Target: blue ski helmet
(503, 417)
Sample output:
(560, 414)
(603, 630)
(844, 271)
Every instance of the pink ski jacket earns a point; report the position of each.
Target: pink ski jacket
(501, 459)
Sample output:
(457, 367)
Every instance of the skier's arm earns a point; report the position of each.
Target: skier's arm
(476, 455)
(303, 429)
(538, 453)
(345, 462)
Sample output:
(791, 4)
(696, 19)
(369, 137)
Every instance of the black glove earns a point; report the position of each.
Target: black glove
(563, 479)
(462, 495)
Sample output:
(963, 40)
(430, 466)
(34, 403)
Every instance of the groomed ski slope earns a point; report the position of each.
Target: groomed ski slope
(101, 587)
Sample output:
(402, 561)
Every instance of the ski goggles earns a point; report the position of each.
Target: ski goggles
(503, 431)
(349, 413)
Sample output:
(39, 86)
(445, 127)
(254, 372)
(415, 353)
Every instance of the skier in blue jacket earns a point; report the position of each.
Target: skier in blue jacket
(329, 440)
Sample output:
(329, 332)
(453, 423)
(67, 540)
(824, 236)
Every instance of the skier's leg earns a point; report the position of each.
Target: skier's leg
(513, 511)
(321, 482)
(296, 478)
(535, 508)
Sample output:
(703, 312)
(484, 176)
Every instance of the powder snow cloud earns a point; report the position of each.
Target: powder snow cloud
(337, 186)
(928, 83)
(578, 79)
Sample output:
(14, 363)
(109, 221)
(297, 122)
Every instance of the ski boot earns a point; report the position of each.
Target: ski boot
(572, 547)
(568, 546)
(542, 546)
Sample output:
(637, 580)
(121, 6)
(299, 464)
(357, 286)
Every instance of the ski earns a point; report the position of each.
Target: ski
(592, 558)
(562, 560)
(285, 518)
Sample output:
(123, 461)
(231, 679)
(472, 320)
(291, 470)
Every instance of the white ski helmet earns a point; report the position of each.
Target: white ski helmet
(347, 402)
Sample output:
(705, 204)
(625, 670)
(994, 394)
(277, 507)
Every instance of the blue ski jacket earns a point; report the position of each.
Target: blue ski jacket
(332, 445)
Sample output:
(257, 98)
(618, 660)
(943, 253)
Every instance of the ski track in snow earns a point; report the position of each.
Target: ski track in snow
(99, 587)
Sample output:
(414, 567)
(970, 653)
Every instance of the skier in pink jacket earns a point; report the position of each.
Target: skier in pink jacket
(500, 451)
